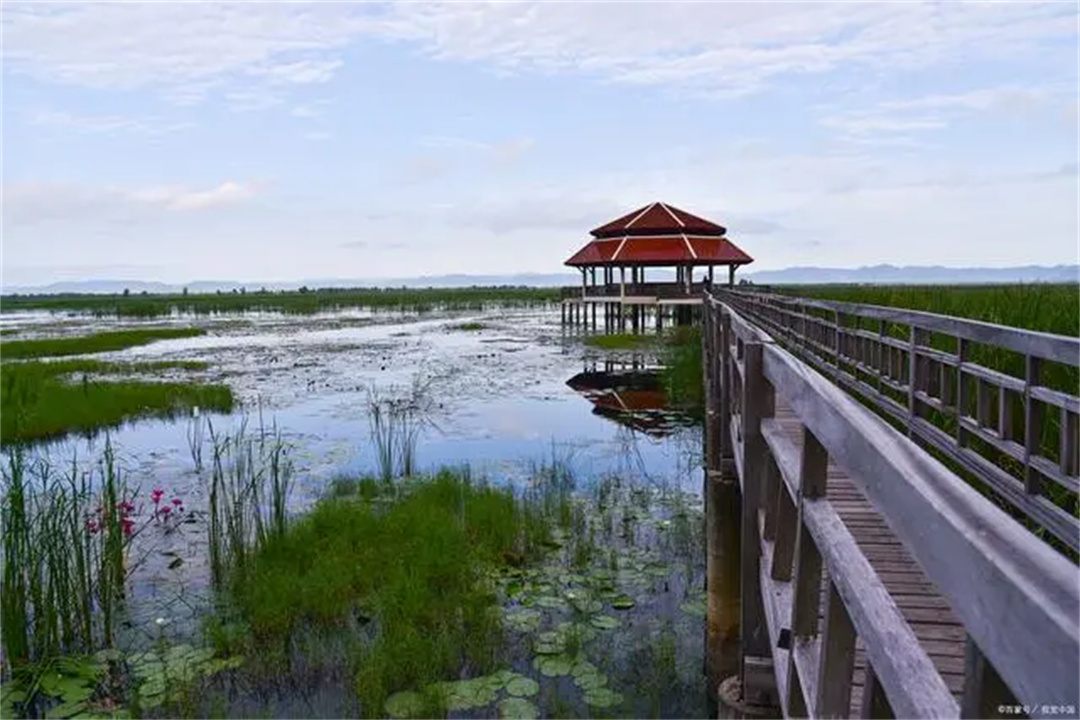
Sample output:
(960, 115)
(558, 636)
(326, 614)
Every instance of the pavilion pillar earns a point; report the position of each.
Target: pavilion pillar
(710, 274)
(584, 283)
(731, 276)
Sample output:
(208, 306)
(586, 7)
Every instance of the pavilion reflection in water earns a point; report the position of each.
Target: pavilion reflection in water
(632, 394)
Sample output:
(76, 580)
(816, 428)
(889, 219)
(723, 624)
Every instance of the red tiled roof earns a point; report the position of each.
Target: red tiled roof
(658, 217)
(660, 249)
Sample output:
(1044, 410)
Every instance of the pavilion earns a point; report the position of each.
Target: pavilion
(655, 236)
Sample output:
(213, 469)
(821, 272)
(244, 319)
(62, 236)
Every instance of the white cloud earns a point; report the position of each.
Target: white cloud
(33, 203)
(187, 49)
(104, 124)
(904, 117)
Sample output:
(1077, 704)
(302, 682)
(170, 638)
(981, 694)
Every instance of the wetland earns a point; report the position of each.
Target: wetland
(448, 511)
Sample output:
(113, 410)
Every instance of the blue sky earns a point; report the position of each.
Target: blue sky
(282, 141)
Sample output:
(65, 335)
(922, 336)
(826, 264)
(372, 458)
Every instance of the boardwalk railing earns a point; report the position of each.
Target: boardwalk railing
(992, 424)
(809, 594)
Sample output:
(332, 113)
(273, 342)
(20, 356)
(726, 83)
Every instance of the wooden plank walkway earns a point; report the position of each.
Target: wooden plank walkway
(938, 630)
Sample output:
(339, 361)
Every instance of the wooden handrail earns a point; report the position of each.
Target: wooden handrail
(921, 387)
(1017, 598)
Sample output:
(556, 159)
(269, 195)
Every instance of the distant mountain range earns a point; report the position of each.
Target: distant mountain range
(876, 275)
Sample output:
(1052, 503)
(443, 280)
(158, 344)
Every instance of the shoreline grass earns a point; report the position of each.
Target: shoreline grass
(407, 560)
(95, 343)
(1053, 308)
(37, 402)
(300, 301)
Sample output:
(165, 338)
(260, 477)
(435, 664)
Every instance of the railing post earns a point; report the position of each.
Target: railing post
(754, 633)
(725, 445)
(722, 579)
(984, 690)
(1032, 429)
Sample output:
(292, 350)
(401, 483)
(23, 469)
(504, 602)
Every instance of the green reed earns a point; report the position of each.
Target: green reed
(64, 566)
(251, 477)
(397, 417)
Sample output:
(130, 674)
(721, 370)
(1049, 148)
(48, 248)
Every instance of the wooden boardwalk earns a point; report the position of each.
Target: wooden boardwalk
(938, 629)
(873, 580)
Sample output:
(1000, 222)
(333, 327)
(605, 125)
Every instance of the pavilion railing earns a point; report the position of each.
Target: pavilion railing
(1010, 432)
(614, 291)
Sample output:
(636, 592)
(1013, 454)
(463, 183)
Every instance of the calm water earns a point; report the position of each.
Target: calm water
(506, 397)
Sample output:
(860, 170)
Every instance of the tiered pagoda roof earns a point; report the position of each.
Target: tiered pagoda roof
(662, 235)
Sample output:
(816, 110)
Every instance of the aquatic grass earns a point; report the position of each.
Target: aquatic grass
(65, 539)
(305, 301)
(38, 402)
(468, 326)
(682, 373)
(94, 343)
(411, 563)
(250, 483)
(622, 341)
(397, 417)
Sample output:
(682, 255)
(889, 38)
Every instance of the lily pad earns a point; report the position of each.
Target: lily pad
(590, 681)
(517, 707)
(551, 602)
(502, 677)
(469, 694)
(584, 667)
(623, 602)
(553, 665)
(602, 697)
(697, 608)
(406, 704)
(605, 622)
(522, 687)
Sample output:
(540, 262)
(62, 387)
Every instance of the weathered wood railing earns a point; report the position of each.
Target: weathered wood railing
(988, 422)
(1017, 598)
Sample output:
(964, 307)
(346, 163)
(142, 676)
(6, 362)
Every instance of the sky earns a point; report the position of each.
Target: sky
(178, 141)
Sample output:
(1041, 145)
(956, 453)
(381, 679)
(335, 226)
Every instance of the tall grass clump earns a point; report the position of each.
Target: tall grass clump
(43, 400)
(65, 536)
(397, 418)
(303, 301)
(683, 374)
(410, 568)
(94, 343)
(250, 482)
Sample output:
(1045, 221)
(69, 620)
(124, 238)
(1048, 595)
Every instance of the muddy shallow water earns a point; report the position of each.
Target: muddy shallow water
(501, 404)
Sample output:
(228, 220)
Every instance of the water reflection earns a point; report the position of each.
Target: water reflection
(634, 397)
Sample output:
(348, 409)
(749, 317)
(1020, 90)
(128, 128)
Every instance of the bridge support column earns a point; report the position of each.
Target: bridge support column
(721, 493)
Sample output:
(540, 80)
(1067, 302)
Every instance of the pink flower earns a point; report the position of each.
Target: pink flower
(156, 495)
(166, 510)
(92, 526)
(177, 501)
(128, 526)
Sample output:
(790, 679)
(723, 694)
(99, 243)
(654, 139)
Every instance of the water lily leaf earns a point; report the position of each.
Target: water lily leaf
(587, 605)
(623, 602)
(590, 681)
(551, 602)
(542, 648)
(553, 665)
(522, 687)
(109, 655)
(469, 694)
(517, 707)
(584, 667)
(697, 608)
(602, 697)
(406, 704)
(503, 677)
(605, 622)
